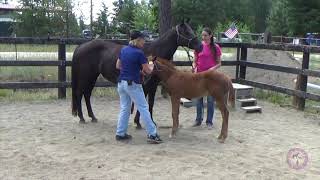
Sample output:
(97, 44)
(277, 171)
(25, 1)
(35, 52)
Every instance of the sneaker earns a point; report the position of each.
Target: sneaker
(196, 124)
(124, 137)
(154, 139)
(210, 126)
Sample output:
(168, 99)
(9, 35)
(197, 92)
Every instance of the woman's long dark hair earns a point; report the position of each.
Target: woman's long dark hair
(212, 43)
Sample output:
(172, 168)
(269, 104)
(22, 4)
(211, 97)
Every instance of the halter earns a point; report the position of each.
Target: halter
(155, 64)
(189, 41)
(183, 37)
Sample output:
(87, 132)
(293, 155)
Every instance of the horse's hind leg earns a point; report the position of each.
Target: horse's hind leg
(87, 95)
(136, 120)
(225, 118)
(78, 101)
(137, 116)
(151, 96)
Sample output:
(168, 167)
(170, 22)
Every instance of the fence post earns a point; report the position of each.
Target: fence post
(301, 84)
(62, 69)
(238, 63)
(243, 68)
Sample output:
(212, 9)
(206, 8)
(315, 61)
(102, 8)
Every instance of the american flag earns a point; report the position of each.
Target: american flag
(232, 31)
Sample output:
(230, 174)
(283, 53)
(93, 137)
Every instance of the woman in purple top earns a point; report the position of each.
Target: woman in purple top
(208, 59)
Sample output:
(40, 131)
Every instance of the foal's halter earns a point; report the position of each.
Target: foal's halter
(183, 37)
(155, 64)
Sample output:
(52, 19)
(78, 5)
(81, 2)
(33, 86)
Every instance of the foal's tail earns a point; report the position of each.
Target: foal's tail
(74, 84)
(231, 97)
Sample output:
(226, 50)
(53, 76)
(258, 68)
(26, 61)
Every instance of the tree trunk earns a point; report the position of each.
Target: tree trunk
(164, 25)
(164, 16)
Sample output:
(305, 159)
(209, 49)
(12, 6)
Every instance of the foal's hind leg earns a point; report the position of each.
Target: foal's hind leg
(175, 115)
(225, 118)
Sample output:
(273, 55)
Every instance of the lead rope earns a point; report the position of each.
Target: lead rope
(189, 58)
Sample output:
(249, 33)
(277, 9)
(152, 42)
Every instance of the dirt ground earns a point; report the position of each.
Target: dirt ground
(41, 140)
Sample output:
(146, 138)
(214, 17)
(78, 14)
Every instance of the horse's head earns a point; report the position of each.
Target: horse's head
(186, 37)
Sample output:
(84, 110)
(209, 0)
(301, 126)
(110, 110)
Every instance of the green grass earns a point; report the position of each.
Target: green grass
(33, 48)
(273, 97)
(30, 73)
(49, 94)
(314, 62)
(283, 100)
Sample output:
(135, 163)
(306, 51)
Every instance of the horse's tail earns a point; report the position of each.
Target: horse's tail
(74, 85)
(231, 97)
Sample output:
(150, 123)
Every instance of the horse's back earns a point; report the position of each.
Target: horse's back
(95, 47)
(97, 56)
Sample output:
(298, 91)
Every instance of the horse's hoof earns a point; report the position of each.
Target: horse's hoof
(94, 120)
(138, 127)
(171, 136)
(82, 121)
(221, 138)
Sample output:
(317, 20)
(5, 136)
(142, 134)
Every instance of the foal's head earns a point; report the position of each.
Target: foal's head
(163, 68)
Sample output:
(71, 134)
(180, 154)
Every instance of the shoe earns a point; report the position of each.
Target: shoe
(124, 137)
(196, 124)
(154, 139)
(210, 126)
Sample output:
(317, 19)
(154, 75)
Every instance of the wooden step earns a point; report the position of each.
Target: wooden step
(247, 100)
(187, 102)
(237, 86)
(242, 91)
(251, 109)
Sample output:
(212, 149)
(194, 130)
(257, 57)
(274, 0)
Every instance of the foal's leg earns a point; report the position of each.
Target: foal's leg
(175, 115)
(225, 117)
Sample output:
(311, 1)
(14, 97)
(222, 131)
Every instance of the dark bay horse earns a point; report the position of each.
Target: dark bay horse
(99, 57)
(193, 85)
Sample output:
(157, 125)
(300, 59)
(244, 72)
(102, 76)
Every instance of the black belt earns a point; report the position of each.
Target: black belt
(129, 82)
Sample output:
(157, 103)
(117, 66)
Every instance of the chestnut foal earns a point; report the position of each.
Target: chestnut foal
(190, 85)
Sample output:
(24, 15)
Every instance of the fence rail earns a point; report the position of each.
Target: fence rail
(241, 63)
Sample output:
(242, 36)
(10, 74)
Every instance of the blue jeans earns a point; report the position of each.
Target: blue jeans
(210, 110)
(135, 93)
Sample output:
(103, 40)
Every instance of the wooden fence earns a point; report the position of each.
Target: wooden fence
(241, 63)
